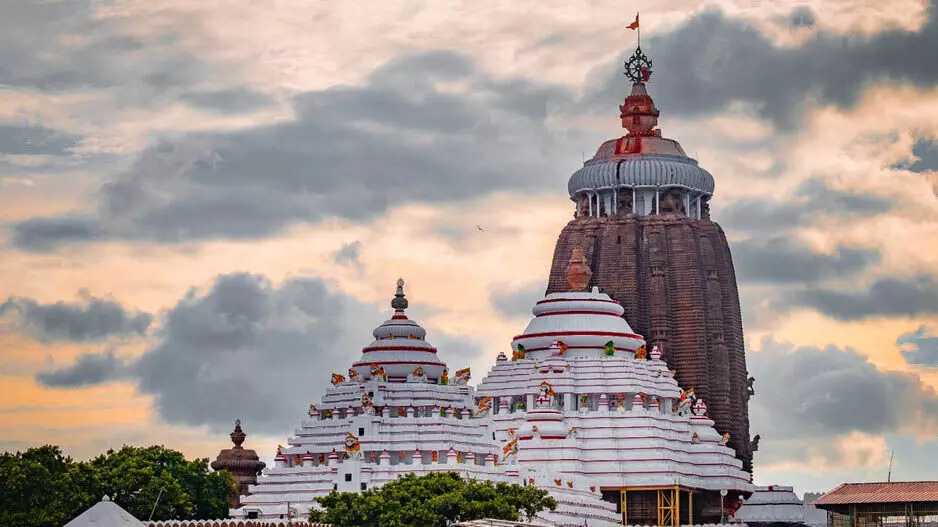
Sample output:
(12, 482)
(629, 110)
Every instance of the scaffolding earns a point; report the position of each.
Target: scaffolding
(661, 506)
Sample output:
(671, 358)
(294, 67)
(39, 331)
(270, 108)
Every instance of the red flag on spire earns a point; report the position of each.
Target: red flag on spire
(634, 25)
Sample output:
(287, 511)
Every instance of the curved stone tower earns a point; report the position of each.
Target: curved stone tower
(643, 222)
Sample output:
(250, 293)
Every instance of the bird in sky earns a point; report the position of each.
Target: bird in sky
(480, 228)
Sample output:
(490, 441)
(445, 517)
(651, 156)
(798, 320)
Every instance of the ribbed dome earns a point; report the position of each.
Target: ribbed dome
(400, 346)
(585, 322)
(648, 170)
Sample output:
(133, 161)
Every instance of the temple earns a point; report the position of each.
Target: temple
(642, 219)
(581, 408)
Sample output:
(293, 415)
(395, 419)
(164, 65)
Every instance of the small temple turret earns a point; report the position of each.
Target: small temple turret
(243, 464)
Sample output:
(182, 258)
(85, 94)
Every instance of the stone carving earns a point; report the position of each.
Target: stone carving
(724, 439)
(444, 377)
(545, 396)
(686, 402)
(754, 444)
(352, 445)
(337, 379)
(417, 375)
(313, 411)
(641, 353)
(749, 387)
(483, 407)
(672, 202)
(353, 375)
(624, 203)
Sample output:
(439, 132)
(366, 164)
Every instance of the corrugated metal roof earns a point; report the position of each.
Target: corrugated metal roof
(893, 492)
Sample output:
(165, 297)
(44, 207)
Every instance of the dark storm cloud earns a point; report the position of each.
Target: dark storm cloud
(232, 100)
(711, 61)
(883, 297)
(517, 302)
(813, 200)
(353, 152)
(802, 16)
(34, 140)
(919, 347)
(68, 46)
(783, 260)
(245, 348)
(93, 319)
(810, 394)
(90, 369)
(348, 254)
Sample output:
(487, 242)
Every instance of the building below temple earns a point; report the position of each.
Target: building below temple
(580, 409)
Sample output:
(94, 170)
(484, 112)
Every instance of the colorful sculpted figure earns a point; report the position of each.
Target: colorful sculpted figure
(459, 457)
(313, 412)
(620, 401)
(434, 456)
(374, 457)
(337, 379)
(401, 411)
(484, 406)
(351, 443)
(511, 432)
(563, 348)
(569, 484)
(377, 372)
(558, 482)
(418, 371)
(686, 402)
(403, 455)
(531, 482)
(297, 460)
(463, 376)
(322, 459)
(366, 401)
(572, 432)
(519, 354)
(279, 449)
(511, 448)
(725, 439)
(545, 394)
(610, 348)
(444, 377)
(641, 353)
(353, 375)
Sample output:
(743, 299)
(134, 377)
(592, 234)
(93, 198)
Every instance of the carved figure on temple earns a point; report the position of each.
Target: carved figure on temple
(610, 348)
(417, 375)
(695, 438)
(519, 354)
(434, 456)
(444, 377)
(367, 403)
(558, 482)
(545, 395)
(755, 442)
(749, 388)
(641, 353)
(686, 402)
(725, 439)
(378, 373)
(672, 202)
(351, 443)
(463, 376)
(584, 205)
(353, 375)
(313, 411)
(337, 379)
(511, 448)
(572, 432)
(483, 407)
(560, 346)
(624, 204)
(620, 401)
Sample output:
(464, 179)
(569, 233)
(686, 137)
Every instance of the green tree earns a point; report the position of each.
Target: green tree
(434, 500)
(43, 488)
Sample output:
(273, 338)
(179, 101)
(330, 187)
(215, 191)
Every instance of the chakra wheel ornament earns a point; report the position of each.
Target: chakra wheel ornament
(638, 66)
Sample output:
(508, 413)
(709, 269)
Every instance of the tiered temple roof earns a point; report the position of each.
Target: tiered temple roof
(580, 409)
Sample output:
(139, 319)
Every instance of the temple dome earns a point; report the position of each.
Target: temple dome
(584, 321)
(400, 346)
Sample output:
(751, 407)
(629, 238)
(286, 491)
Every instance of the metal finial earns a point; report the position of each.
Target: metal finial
(638, 66)
(399, 302)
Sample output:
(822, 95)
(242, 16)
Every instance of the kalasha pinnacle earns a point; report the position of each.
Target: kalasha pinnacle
(578, 271)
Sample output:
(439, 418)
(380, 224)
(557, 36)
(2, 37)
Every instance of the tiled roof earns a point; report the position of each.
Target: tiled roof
(896, 492)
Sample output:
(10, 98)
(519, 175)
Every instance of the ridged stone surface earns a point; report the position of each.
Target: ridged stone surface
(674, 277)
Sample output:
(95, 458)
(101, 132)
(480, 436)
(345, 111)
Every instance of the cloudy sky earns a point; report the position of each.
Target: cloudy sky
(204, 205)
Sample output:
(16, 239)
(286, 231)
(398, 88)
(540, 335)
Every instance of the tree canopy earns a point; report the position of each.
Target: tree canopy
(44, 488)
(437, 499)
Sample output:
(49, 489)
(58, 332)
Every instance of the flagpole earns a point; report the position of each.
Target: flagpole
(639, 30)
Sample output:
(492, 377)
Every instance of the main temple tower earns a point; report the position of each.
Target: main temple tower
(643, 221)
